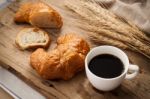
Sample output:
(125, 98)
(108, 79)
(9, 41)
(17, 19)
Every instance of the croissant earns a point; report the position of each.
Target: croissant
(64, 61)
(39, 14)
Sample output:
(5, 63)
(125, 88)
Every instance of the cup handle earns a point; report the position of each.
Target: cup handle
(134, 69)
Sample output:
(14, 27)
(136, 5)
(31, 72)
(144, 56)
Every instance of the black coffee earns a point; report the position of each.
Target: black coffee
(106, 66)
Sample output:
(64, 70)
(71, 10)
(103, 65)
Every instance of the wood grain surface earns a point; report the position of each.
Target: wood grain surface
(78, 87)
(4, 94)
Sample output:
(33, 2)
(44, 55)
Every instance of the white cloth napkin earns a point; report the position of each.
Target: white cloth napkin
(137, 11)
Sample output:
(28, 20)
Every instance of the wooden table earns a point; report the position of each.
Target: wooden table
(4, 94)
(78, 87)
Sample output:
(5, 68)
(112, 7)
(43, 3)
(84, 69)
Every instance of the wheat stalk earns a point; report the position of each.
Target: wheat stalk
(106, 40)
(113, 19)
(106, 27)
(127, 40)
(106, 19)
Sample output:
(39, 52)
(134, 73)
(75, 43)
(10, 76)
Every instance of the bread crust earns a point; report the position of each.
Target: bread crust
(64, 61)
(38, 14)
(32, 46)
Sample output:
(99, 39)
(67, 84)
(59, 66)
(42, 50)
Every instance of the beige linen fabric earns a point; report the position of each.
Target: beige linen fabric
(137, 11)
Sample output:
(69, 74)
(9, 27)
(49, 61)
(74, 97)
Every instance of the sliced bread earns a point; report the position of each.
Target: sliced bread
(32, 38)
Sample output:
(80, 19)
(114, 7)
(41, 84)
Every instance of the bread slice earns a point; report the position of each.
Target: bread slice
(32, 38)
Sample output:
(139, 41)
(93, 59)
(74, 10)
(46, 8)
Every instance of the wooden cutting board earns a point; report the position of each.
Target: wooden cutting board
(4, 94)
(78, 87)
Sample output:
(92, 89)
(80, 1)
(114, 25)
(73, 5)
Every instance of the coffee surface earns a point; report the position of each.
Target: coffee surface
(106, 66)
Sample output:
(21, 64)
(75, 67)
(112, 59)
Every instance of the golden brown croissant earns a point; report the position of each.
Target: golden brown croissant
(64, 61)
(39, 14)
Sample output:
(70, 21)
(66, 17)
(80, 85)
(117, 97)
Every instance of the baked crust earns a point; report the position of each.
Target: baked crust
(38, 14)
(64, 61)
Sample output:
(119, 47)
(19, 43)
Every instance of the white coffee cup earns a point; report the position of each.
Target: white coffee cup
(107, 84)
